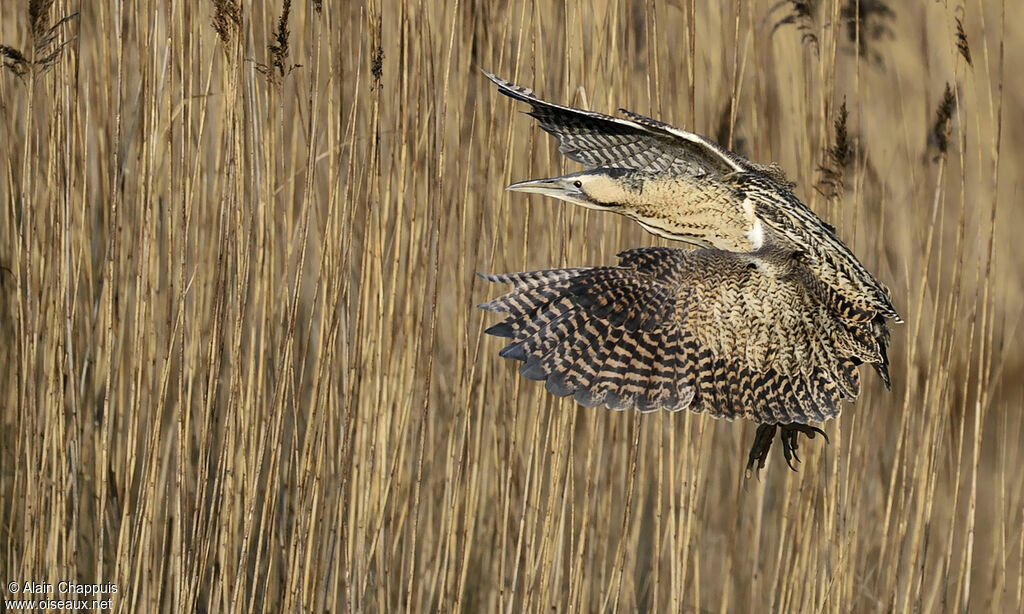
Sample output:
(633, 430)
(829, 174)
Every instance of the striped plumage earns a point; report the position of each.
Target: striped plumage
(768, 320)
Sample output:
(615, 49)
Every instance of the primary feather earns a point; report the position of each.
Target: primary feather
(733, 335)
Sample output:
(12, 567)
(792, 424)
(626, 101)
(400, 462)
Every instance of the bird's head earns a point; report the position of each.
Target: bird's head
(603, 188)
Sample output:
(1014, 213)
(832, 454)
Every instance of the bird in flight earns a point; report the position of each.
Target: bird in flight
(767, 319)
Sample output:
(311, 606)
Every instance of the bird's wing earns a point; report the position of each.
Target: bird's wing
(639, 142)
(730, 334)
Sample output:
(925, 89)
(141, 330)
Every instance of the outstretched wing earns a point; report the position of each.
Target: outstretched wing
(639, 142)
(734, 335)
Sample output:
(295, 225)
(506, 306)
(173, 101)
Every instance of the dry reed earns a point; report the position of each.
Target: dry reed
(242, 367)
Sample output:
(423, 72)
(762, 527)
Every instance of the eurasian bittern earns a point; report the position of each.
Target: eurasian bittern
(768, 319)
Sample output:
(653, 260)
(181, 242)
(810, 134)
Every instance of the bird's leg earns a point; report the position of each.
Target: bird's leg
(762, 443)
(790, 432)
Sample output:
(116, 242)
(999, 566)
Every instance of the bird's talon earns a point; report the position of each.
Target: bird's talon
(790, 463)
(790, 444)
(759, 451)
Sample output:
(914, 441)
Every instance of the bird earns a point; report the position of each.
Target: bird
(765, 315)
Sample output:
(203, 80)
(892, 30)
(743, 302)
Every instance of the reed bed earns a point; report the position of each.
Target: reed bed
(242, 368)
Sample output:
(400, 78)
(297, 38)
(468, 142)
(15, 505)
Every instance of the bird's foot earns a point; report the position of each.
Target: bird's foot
(789, 440)
(759, 451)
(763, 443)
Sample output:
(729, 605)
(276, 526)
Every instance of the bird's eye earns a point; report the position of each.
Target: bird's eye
(578, 183)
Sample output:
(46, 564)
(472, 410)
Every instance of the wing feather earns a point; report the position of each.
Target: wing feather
(639, 142)
(734, 335)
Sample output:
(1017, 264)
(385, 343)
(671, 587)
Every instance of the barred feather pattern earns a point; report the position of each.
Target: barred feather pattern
(734, 335)
(639, 142)
(642, 143)
(852, 290)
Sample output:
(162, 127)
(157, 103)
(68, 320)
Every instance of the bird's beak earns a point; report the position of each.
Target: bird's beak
(563, 188)
(548, 187)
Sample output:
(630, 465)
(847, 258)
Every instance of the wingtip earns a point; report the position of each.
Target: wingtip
(501, 329)
(510, 89)
(491, 277)
(495, 79)
(883, 372)
(514, 351)
(489, 74)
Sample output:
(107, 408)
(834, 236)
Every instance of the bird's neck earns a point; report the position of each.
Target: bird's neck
(703, 210)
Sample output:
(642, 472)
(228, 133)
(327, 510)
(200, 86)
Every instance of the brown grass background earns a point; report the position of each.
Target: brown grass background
(242, 370)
